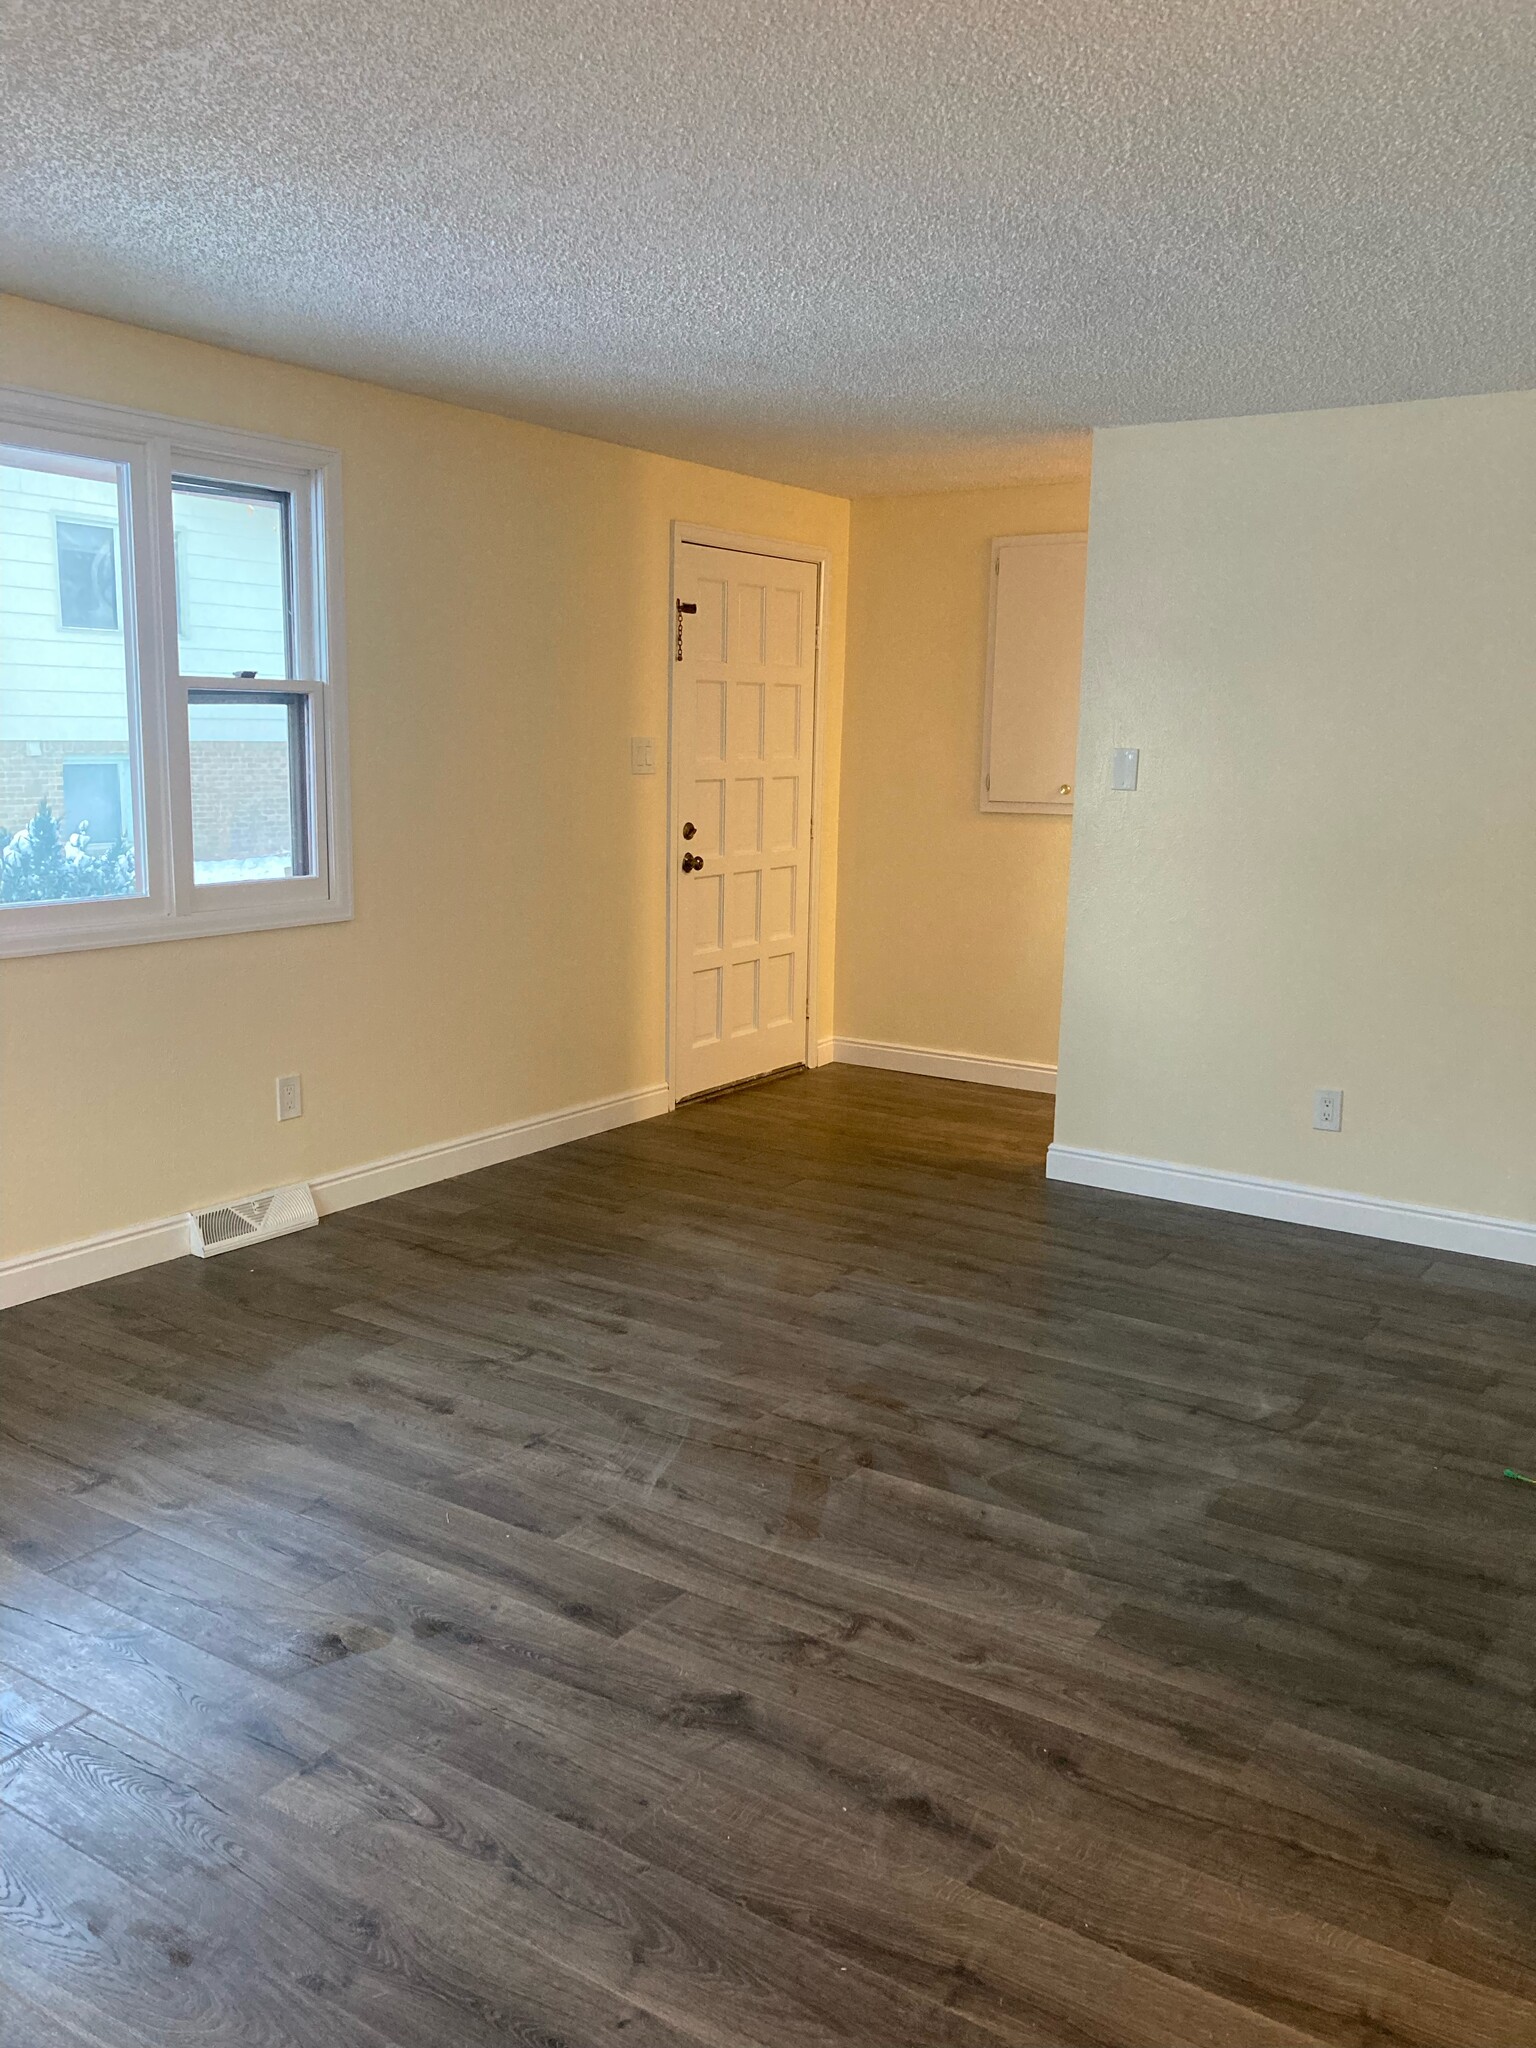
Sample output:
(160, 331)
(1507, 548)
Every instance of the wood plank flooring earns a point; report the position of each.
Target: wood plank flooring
(781, 1574)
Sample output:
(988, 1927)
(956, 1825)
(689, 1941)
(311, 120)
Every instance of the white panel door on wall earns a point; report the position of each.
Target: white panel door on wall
(1029, 745)
(743, 720)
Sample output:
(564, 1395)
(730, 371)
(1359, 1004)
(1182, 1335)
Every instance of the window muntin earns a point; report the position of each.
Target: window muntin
(225, 560)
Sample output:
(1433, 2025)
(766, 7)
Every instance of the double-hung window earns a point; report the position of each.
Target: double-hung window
(172, 708)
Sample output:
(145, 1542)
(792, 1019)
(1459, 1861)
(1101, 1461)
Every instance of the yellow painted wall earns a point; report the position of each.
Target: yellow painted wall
(1320, 629)
(950, 921)
(506, 591)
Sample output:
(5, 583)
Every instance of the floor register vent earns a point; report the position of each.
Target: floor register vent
(252, 1220)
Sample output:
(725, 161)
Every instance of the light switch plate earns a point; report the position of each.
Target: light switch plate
(1124, 766)
(642, 757)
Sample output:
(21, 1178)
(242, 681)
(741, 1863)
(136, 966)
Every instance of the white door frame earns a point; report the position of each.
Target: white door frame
(787, 550)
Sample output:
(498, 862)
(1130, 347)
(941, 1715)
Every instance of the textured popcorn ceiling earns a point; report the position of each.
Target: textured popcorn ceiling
(861, 246)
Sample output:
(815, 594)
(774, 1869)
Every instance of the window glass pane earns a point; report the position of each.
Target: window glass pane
(94, 800)
(87, 555)
(250, 787)
(68, 803)
(233, 601)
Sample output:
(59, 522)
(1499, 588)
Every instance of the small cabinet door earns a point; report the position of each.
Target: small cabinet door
(1035, 655)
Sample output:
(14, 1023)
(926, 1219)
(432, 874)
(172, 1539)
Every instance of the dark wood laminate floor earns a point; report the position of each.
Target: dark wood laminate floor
(780, 1574)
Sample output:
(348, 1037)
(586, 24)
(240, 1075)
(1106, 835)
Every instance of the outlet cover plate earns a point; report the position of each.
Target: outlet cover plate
(1328, 1109)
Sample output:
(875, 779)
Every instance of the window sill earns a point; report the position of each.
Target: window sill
(92, 935)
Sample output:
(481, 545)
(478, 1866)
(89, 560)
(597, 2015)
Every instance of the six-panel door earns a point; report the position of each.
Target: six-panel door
(742, 724)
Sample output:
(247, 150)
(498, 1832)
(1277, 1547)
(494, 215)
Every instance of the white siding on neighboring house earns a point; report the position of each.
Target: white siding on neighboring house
(231, 608)
(63, 688)
(56, 683)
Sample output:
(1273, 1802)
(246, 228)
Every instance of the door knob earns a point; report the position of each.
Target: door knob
(690, 862)
(689, 829)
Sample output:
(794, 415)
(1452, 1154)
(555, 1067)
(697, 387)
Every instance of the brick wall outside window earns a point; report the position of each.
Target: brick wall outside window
(242, 796)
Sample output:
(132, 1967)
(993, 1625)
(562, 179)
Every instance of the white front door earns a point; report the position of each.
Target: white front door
(743, 716)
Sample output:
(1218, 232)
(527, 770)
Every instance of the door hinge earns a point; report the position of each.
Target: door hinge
(681, 609)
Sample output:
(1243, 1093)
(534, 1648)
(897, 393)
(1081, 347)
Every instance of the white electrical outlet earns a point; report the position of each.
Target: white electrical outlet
(1328, 1109)
(642, 757)
(290, 1097)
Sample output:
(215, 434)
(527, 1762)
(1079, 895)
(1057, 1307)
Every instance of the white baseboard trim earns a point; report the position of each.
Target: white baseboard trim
(1444, 1230)
(943, 1066)
(35, 1274)
(406, 1170)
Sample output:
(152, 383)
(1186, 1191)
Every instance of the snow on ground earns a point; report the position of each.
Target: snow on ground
(261, 867)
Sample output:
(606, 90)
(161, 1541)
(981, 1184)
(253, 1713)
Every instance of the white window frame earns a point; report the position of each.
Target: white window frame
(153, 449)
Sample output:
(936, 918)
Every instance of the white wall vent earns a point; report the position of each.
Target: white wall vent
(252, 1219)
